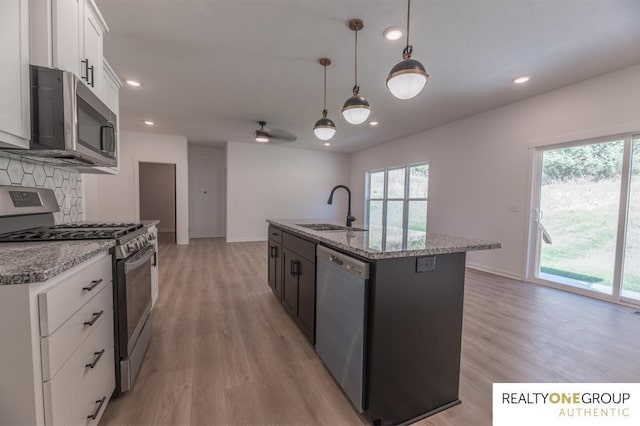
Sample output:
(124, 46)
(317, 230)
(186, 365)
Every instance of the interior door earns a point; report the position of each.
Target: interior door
(206, 193)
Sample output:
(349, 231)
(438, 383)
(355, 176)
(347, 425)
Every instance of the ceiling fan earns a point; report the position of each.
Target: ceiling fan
(274, 136)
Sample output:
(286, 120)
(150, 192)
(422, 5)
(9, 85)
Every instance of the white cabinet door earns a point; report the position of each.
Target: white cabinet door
(66, 16)
(93, 38)
(14, 74)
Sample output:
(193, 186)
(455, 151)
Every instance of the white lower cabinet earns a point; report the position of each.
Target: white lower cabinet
(57, 351)
(91, 363)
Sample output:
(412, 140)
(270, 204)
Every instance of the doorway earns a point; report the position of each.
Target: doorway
(158, 197)
(586, 218)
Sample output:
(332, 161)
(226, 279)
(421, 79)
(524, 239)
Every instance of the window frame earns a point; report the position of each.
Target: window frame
(406, 199)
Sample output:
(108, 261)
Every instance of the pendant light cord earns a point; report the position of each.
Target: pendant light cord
(408, 50)
(324, 111)
(356, 89)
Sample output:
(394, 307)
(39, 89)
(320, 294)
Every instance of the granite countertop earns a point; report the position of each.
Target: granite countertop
(24, 263)
(369, 244)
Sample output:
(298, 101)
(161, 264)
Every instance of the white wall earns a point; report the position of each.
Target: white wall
(158, 194)
(207, 191)
(480, 166)
(281, 183)
(116, 197)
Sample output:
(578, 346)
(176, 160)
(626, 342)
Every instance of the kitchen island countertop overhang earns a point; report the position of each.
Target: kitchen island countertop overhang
(360, 243)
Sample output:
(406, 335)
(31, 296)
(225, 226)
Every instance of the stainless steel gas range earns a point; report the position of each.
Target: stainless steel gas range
(26, 215)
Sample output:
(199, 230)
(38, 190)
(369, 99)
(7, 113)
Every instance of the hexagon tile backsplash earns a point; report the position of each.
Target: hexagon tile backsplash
(66, 183)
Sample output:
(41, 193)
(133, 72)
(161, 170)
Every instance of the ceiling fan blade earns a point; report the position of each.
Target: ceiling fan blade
(281, 135)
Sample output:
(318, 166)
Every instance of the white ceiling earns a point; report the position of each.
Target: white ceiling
(211, 69)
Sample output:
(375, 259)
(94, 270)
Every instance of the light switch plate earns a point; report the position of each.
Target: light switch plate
(426, 264)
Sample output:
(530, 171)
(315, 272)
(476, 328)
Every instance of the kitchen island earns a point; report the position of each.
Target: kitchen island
(412, 307)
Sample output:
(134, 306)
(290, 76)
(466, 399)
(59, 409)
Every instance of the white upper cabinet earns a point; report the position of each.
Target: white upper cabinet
(94, 28)
(15, 127)
(66, 20)
(68, 35)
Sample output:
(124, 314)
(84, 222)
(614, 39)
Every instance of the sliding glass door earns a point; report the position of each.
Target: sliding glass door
(631, 274)
(586, 223)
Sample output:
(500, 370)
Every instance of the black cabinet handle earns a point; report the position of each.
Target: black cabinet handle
(92, 79)
(274, 234)
(96, 316)
(85, 77)
(155, 259)
(295, 268)
(274, 251)
(94, 284)
(100, 403)
(98, 355)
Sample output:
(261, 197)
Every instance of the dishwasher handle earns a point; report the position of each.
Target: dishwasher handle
(344, 262)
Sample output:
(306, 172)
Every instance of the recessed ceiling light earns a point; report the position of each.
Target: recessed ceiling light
(393, 33)
(327, 144)
(373, 123)
(521, 80)
(149, 122)
(133, 83)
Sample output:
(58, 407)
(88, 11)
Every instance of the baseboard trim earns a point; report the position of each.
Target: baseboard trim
(494, 271)
(206, 235)
(245, 239)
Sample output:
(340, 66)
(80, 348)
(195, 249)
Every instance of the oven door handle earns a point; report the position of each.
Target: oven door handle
(128, 266)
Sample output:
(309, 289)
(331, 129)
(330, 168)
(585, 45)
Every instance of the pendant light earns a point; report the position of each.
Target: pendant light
(407, 77)
(324, 128)
(356, 109)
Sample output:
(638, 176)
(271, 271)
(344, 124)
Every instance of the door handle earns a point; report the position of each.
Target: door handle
(94, 284)
(85, 77)
(295, 268)
(92, 79)
(98, 355)
(96, 316)
(100, 403)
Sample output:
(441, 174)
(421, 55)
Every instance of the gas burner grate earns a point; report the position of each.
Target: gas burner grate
(73, 231)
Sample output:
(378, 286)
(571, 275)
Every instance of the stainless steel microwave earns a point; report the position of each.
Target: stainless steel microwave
(69, 122)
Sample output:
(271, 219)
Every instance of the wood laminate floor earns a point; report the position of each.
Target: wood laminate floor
(224, 352)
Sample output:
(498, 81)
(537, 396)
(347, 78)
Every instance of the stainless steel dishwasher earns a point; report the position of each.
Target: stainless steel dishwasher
(341, 292)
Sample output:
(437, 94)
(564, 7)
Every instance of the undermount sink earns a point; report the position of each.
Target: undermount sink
(328, 227)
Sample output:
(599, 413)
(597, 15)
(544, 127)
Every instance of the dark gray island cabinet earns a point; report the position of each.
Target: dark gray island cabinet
(413, 307)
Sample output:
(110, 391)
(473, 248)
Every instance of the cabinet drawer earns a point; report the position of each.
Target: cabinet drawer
(58, 303)
(301, 247)
(65, 391)
(58, 347)
(91, 402)
(275, 234)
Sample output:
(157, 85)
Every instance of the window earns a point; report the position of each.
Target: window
(396, 201)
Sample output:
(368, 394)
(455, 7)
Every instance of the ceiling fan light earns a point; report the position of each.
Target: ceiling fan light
(356, 109)
(324, 129)
(407, 78)
(262, 136)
